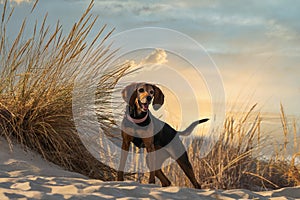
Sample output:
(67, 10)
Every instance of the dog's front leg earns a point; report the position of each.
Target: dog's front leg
(149, 143)
(124, 154)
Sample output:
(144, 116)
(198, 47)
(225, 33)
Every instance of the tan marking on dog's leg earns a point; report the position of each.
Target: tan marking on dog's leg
(124, 155)
(150, 149)
(159, 159)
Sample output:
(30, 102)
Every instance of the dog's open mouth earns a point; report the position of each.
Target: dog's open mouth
(144, 106)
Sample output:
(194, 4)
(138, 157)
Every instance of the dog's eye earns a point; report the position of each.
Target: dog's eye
(141, 90)
(151, 92)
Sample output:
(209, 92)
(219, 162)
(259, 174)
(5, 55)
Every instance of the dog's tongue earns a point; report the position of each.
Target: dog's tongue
(145, 105)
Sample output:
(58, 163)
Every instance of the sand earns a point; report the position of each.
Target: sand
(25, 175)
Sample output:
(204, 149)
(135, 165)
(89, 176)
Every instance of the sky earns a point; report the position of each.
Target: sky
(255, 44)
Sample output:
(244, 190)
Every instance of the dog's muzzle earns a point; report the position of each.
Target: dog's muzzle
(145, 106)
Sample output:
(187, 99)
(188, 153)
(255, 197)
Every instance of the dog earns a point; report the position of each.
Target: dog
(144, 130)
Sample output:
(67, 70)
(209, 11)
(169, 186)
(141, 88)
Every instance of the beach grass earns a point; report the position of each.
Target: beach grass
(240, 158)
(36, 84)
(243, 156)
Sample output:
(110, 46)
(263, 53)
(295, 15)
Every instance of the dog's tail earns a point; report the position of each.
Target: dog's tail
(191, 127)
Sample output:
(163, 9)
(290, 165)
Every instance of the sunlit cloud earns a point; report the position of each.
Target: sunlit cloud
(18, 2)
(158, 56)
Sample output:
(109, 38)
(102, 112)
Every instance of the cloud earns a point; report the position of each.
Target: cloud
(18, 2)
(281, 31)
(135, 7)
(222, 26)
(158, 56)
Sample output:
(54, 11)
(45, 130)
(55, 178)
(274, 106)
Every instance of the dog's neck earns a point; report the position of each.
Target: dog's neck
(135, 117)
(137, 121)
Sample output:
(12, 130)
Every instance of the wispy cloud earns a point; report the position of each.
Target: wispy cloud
(219, 25)
(281, 31)
(133, 7)
(18, 2)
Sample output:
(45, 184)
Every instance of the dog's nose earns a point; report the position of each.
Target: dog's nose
(149, 98)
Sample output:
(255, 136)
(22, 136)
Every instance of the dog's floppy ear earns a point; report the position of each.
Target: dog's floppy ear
(129, 94)
(159, 98)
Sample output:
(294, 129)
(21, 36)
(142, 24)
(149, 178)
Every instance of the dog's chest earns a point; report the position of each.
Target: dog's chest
(136, 130)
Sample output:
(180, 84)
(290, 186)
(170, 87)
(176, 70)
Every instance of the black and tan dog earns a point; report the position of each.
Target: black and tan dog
(161, 141)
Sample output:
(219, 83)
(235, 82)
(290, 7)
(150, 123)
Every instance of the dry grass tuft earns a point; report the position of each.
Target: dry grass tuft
(237, 159)
(36, 84)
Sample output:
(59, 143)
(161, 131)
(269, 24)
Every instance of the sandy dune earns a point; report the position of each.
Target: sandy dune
(25, 175)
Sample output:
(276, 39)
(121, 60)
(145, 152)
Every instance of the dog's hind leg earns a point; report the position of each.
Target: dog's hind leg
(165, 182)
(186, 166)
(159, 160)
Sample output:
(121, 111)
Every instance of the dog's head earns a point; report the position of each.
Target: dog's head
(142, 94)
